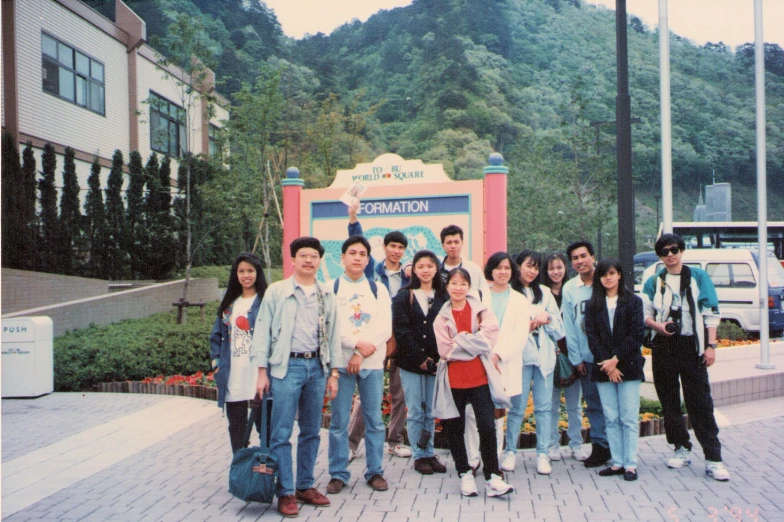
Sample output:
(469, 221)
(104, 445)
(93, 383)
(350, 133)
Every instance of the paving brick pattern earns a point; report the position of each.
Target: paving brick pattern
(30, 424)
(185, 478)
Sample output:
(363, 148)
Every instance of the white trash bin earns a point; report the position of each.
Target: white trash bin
(27, 357)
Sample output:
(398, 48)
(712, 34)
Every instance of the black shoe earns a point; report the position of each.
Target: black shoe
(437, 465)
(630, 475)
(609, 472)
(599, 455)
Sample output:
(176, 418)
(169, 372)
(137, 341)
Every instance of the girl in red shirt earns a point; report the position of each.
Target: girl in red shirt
(466, 331)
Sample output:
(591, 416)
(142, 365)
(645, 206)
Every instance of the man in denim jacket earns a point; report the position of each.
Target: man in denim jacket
(295, 346)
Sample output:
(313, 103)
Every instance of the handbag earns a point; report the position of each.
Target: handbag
(253, 475)
(564, 374)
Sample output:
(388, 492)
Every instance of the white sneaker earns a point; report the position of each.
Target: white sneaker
(508, 460)
(717, 470)
(578, 453)
(496, 486)
(554, 453)
(468, 485)
(398, 450)
(543, 464)
(682, 458)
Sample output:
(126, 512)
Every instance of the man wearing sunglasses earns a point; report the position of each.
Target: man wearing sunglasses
(680, 305)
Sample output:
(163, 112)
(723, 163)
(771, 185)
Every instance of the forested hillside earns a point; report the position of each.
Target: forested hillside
(451, 80)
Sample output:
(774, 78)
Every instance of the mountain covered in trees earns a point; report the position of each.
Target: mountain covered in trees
(452, 80)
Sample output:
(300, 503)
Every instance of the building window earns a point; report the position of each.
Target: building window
(215, 141)
(72, 75)
(167, 126)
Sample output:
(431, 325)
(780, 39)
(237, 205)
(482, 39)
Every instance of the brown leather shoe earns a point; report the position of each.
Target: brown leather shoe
(437, 465)
(335, 486)
(313, 497)
(287, 506)
(423, 466)
(378, 483)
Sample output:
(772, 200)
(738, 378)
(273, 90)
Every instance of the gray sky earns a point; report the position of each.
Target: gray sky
(730, 21)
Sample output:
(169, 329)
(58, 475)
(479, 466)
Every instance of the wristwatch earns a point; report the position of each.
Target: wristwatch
(334, 373)
(711, 345)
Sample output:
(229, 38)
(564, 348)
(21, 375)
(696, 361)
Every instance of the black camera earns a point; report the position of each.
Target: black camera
(676, 318)
(424, 439)
(432, 367)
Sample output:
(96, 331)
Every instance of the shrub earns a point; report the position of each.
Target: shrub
(222, 274)
(132, 350)
(731, 331)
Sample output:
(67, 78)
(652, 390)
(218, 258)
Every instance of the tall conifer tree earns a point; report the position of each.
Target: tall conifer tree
(96, 223)
(29, 196)
(115, 220)
(134, 228)
(50, 226)
(12, 222)
(70, 216)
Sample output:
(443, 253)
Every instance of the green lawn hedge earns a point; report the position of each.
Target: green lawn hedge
(222, 274)
(132, 350)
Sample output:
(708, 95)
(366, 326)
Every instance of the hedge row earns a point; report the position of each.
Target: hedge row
(132, 350)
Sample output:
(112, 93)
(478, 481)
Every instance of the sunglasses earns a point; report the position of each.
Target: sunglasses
(672, 250)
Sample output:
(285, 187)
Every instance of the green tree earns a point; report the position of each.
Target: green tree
(134, 225)
(50, 226)
(95, 223)
(13, 220)
(28, 197)
(116, 263)
(158, 239)
(186, 42)
(70, 216)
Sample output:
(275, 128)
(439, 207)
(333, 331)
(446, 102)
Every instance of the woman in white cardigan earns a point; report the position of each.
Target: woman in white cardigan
(513, 312)
(546, 328)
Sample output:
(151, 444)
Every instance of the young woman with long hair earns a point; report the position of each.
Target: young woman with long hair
(466, 331)
(230, 343)
(554, 277)
(414, 310)
(546, 328)
(615, 327)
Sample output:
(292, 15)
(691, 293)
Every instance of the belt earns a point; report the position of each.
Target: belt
(305, 355)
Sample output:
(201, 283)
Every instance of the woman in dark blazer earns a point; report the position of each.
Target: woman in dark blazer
(615, 327)
(414, 310)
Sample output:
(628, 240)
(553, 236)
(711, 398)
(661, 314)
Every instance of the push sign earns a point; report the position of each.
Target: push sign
(28, 357)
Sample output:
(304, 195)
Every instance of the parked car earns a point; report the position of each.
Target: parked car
(642, 261)
(735, 274)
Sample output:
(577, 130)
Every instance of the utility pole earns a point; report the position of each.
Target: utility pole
(623, 140)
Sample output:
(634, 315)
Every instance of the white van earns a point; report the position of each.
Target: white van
(735, 274)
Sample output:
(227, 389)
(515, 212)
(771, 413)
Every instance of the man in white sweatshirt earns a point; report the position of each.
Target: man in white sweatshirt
(365, 319)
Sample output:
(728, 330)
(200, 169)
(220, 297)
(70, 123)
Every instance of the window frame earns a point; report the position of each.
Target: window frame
(89, 79)
(731, 274)
(214, 147)
(154, 101)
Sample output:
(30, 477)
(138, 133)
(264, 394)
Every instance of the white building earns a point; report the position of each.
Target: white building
(73, 78)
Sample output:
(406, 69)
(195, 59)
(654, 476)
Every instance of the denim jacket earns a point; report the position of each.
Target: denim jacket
(271, 346)
(220, 345)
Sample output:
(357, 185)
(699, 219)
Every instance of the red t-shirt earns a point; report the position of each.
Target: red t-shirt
(465, 374)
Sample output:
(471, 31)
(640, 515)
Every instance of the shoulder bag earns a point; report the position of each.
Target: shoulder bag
(253, 475)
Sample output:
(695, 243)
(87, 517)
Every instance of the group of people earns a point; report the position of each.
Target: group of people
(464, 345)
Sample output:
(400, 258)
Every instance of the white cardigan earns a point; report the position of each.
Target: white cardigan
(511, 340)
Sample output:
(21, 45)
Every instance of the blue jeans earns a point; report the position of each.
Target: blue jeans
(371, 389)
(593, 408)
(574, 411)
(301, 389)
(543, 393)
(621, 404)
(418, 390)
